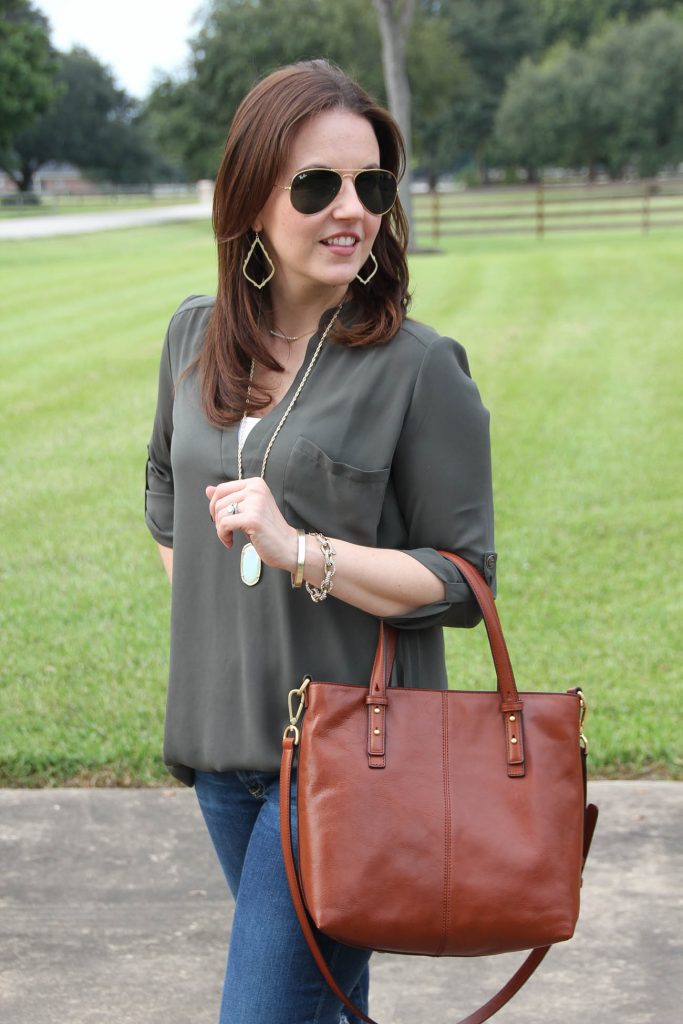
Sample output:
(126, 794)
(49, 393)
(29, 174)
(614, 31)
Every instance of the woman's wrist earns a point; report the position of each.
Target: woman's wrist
(313, 559)
(307, 562)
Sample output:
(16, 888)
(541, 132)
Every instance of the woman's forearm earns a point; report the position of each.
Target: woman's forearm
(377, 580)
(381, 581)
(167, 559)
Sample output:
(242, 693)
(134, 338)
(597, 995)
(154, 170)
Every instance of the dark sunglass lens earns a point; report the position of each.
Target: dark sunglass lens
(312, 191)
(376, 190)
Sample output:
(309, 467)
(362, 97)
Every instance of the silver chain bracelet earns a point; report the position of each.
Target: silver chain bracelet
(321, 592)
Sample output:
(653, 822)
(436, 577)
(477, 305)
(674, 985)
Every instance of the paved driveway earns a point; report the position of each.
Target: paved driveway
(113, 909)
(85, 223)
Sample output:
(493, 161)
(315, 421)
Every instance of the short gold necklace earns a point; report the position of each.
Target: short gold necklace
(250, 561)
(277, 333)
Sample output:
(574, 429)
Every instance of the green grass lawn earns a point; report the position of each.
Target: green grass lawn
(575, 344)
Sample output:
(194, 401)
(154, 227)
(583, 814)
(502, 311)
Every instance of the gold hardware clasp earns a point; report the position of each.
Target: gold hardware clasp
(294, 729)
(294, 716)
(583, 711)
(583, 707)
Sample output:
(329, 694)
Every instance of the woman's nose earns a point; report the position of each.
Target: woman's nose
(346, 203)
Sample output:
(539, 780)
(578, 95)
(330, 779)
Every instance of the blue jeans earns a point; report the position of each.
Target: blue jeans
(271, 976)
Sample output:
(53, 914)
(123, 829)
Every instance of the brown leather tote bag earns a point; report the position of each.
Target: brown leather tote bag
(437, 822)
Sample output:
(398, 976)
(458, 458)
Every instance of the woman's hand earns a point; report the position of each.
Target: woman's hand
(379, 581)
(258, 516)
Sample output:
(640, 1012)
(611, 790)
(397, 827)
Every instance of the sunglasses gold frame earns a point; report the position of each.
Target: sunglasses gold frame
(343, 172)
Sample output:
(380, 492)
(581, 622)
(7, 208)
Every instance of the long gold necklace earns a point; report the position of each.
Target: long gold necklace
(250, 561)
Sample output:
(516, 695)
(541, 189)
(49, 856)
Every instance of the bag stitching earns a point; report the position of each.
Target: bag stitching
(447, 830)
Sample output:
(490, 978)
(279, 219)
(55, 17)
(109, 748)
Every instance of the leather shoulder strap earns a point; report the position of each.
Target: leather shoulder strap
(494, 1004)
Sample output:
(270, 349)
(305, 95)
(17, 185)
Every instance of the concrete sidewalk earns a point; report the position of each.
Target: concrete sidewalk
(114, 911)
(86, 223)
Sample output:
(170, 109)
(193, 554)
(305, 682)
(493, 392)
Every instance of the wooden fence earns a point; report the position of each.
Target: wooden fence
(541, 209)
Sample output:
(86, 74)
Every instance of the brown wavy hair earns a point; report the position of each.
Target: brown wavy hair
(260, 135)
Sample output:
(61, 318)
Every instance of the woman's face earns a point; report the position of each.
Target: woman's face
(321, 251)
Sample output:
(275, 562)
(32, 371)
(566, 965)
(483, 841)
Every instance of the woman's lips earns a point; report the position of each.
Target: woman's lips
(342, 245)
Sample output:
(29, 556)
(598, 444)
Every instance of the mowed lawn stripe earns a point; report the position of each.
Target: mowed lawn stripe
(576, 347)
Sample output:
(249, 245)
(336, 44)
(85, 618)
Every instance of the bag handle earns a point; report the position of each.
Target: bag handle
(494, 1004)
(511, 706)
(507, 687)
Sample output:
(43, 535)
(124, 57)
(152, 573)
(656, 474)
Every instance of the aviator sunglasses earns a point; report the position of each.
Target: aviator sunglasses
(312, 190)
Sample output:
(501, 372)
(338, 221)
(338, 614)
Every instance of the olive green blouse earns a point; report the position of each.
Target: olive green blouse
(387, 446)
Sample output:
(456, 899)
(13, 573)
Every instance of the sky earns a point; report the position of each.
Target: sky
(133, 37)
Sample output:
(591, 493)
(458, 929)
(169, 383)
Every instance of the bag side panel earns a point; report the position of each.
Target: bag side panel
(516, 842)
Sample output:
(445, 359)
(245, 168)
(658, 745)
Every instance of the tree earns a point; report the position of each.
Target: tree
(457, 55)
(395, 19)
(545, 117)
(27, 68)
(575, 21)
(173, 117)
(525, 130)
(92, 125)
(638, 93)
(437, 75)
(239, 42)
(618, 103)
(493, 36)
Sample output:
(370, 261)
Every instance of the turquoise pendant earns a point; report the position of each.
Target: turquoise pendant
(250, 565)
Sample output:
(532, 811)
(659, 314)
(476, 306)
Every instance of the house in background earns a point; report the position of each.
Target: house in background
(53, 179)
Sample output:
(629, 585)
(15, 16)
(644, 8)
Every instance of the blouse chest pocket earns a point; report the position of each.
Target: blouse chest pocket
(331, 497)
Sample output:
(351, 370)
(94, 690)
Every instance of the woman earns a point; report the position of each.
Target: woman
(310, 442)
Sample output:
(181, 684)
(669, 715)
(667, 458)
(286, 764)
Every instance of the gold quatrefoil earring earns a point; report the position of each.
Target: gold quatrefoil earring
(366, 280)
(245, 271)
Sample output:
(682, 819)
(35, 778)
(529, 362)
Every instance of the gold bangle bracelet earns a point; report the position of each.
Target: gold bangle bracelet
(298, 575)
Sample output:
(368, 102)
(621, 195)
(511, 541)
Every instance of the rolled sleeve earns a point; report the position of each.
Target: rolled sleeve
(159, 474)
(442, 477)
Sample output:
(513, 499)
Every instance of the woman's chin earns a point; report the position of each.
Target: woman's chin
(325, 280)
(339, 277)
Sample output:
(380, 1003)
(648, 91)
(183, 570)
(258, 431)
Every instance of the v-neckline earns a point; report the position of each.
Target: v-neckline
(283, 404)
(296, 380)
(263, 435)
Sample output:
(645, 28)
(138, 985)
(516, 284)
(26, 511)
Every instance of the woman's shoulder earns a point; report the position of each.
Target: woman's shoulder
(186, 330)
(423, 346)
(197, 306)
